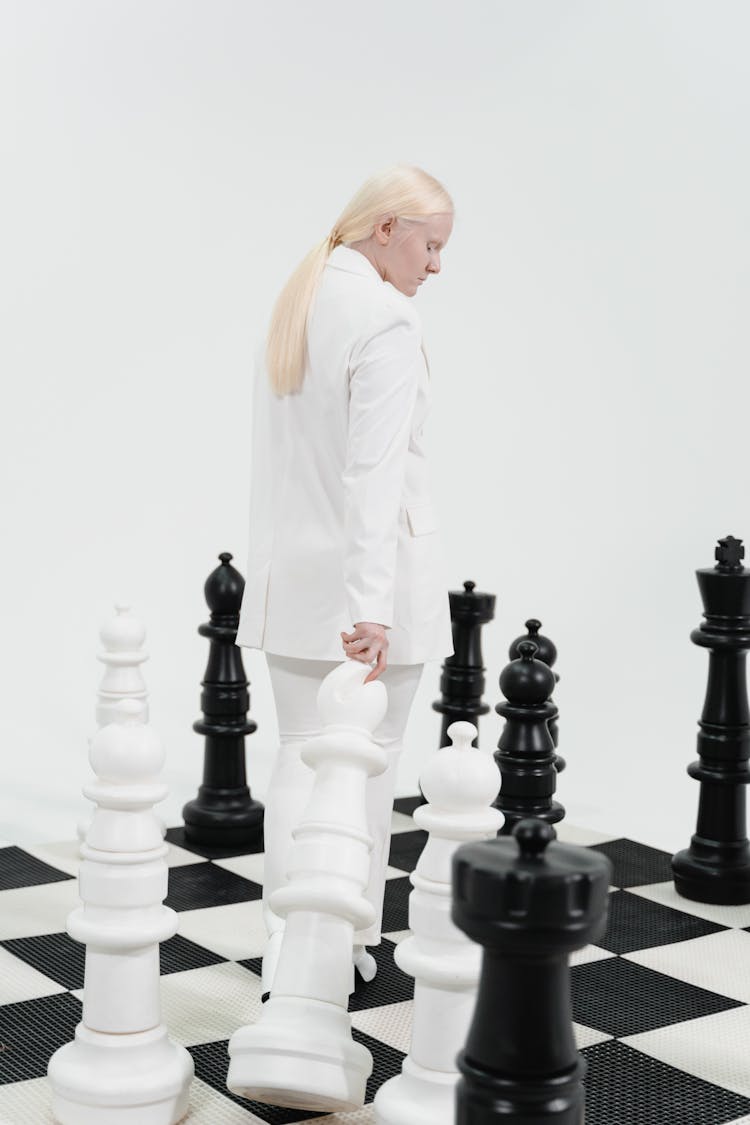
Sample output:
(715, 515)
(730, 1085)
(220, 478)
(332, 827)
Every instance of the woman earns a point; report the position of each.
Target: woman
(345, 560)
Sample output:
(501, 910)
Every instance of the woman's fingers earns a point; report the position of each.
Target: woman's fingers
(370, 653)
(367, 644)
(379, 667)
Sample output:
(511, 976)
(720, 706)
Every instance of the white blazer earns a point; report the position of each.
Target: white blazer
(342, 526)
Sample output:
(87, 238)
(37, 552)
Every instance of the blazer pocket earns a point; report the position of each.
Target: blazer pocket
(422, 518)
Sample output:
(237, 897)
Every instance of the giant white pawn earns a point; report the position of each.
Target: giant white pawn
(301, 1052)
(121, 1068)
(460, 783)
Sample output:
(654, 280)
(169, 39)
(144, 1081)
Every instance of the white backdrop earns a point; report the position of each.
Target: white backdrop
(165, 165)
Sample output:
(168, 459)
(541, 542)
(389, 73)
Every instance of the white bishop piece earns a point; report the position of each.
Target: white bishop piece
(460, 782)
(301, 1053)
(121, 1068)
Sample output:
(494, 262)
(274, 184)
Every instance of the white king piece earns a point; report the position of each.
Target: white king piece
(121, 1068)
(301, 1053)
(460, 782)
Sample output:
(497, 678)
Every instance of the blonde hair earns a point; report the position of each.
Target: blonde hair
(404, 192)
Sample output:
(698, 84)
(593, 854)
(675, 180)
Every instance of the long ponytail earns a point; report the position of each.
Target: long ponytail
(405, 192)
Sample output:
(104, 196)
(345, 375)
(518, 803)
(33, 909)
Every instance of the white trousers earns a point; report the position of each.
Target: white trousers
(295, 686)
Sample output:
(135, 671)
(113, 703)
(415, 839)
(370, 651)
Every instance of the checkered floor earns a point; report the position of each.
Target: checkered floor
(661, 1005)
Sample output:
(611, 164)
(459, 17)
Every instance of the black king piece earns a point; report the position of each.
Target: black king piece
(224, 814)
(716, 866)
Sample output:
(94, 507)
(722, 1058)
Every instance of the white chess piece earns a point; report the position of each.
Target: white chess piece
(121, 1068)
(459, 782)
(301, 1052)
(122, 653)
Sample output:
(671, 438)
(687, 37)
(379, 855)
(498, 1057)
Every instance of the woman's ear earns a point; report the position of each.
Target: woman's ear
(383, 230)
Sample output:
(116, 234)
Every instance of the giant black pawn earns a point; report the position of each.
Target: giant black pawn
(224, 814)
(462, 678)
(526, 753)
(530, 902)
(546, 651)
(716, 866)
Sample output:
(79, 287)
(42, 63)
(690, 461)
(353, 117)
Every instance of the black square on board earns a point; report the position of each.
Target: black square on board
(389, 986)
(407, 805)
(30, 1033)
(634, 864)
(19, 869)
(634, 922)
(179, 955)
(621, 998)
(252, 964)
(198, 885)
(211, 1066)
(396, 905)
(177, 837)
(386, 1062)
(55, 955)
(406, 848)
(627, 1087)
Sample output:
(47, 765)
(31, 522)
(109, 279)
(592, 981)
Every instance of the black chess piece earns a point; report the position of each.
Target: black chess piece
(224, 814)
(530, 902)
(547, 653)
(462, 680)
(526, 753)
(716, 866)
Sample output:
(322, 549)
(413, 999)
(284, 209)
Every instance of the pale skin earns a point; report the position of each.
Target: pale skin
(406, 263)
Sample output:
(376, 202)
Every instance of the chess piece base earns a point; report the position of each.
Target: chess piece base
(726, 884)
(141, 1078)
(223, 825)
(555, 1100)
(417, 1096)
(299, 1054)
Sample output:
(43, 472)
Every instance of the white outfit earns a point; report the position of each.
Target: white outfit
(342, 524)
(342, 530)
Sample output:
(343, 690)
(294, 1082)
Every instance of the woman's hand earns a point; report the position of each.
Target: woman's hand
(367, 643)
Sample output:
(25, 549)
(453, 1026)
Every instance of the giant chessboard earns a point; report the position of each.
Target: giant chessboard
(661, 1004)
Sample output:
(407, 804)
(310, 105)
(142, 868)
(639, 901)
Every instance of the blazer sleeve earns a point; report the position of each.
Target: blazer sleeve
(263, 482)
(383, 378)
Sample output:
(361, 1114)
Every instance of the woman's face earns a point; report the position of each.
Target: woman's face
(408, 255)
